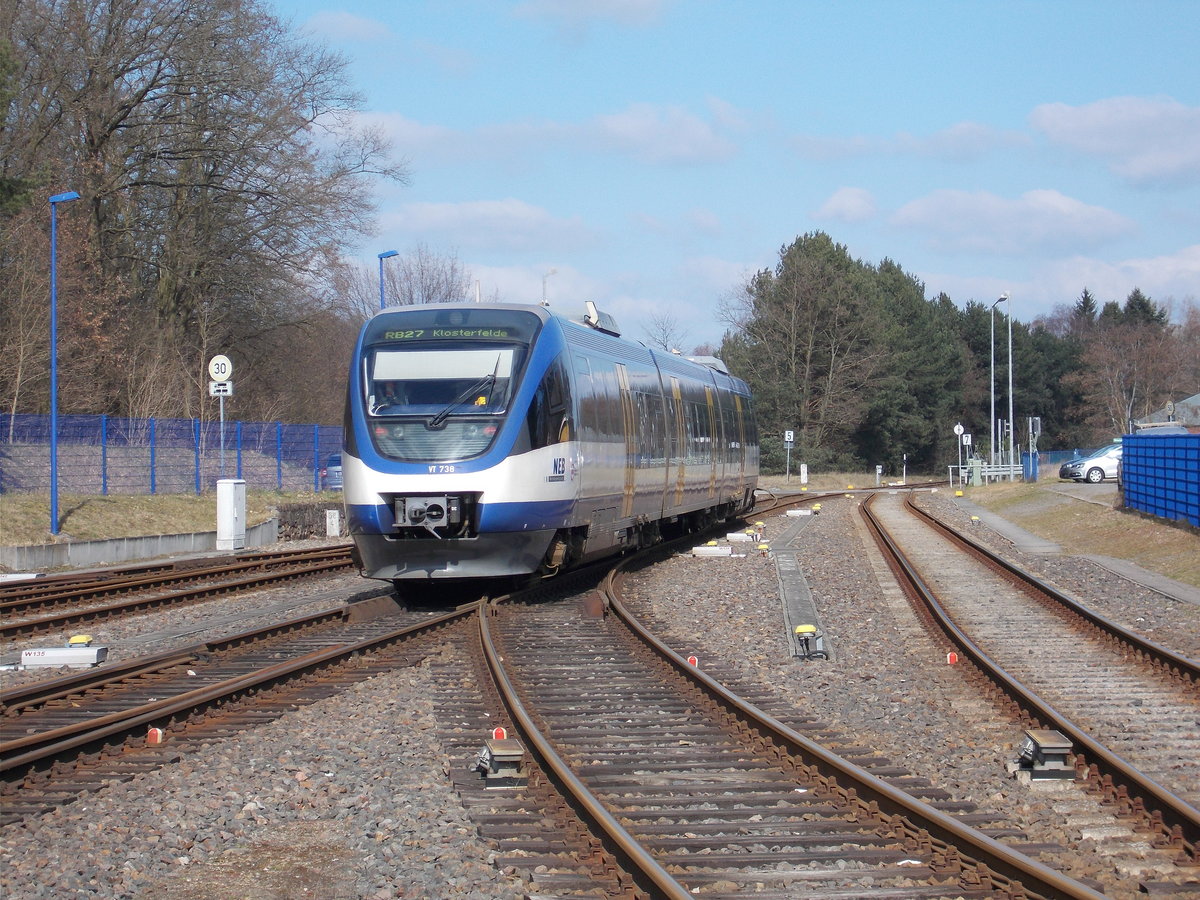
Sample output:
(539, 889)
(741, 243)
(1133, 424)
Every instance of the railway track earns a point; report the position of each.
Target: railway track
(687, 789)
(66, 735)
(44, 605)
(706, 797)
(1128, 706)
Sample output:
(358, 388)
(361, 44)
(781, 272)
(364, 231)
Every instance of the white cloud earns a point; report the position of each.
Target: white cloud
(452, 60)
(1144, 139)
(1038, 222)
(411, 137)
(666, 135)
(1060, 281)
(1175, 275)
(848, 204)
(703, 221)
(576, 14)
(506, 225)
(566, 288)
(961, 142)
(344, 26)
(659, 134)
(726, 115)
(715, 276)
(689, 225)
(830, 149)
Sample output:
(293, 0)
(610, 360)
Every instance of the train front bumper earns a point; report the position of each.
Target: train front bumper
(490, 555)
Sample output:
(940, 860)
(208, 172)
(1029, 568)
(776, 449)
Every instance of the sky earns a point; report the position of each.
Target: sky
(652, 155)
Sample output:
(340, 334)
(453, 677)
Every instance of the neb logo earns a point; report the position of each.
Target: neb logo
(560, 465)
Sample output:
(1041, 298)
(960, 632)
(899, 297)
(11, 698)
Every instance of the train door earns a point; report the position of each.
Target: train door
(678, 454)
(600, 458)
(629, 430)
(714, 437)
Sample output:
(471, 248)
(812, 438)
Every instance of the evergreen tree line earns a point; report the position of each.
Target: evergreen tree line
(866, 371)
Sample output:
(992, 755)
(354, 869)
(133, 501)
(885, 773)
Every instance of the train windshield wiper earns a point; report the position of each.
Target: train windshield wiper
(485, 382)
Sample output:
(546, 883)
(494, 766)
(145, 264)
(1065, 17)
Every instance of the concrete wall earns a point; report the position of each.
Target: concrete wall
(82, 554)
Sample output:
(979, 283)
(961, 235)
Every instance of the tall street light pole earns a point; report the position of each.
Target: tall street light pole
(544, 277)
(1012, 425)
(54, 201)
(386, 254)
(992, 427)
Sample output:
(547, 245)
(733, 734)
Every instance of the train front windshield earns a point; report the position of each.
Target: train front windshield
(438, 402)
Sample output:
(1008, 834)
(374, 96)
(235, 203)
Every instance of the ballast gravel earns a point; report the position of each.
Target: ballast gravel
(888, 683)
(347, 798)
(350, 797)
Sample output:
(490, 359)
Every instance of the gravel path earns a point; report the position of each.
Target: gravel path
(349, 797)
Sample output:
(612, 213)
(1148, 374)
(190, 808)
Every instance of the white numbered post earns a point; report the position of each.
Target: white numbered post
(220, 370)
(958, 431)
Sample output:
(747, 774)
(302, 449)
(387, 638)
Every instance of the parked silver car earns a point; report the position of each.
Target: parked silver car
(1095, 467)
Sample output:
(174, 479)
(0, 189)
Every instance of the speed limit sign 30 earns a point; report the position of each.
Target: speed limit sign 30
(220, 368)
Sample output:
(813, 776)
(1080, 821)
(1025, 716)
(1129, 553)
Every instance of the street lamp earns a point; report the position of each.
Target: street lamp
(992, 427)
(1012, 425)
(54, 201)
(544, 277)
(386, 254)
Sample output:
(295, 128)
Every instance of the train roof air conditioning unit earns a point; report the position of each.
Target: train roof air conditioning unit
(599, 320)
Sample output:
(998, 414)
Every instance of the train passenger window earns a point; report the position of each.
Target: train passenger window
(549, 420)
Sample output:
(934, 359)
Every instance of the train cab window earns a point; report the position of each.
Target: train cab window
(424, 382)
(442, 402)
(549, 419)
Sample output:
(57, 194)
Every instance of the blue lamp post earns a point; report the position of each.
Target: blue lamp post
(54, 201)
(386, 254)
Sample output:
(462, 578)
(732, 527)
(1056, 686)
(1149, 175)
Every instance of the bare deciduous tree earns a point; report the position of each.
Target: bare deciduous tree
(422, 276)
(1131, 368)
(665, 331)
(218, 162)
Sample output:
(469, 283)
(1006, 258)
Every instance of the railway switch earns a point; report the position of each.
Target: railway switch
(501, 762)
(1043, 755)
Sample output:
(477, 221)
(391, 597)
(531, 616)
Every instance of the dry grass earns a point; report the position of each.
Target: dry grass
(1081, 527)
(1078, 526)
(25, 518)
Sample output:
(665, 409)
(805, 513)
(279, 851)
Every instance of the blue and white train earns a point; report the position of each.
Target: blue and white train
(501, 440)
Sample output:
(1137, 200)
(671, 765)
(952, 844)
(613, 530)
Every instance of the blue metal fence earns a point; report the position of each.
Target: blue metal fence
(111, 454)
(1160, 475)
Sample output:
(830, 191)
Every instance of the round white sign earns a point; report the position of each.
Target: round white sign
(220, 368)
(958, 429)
